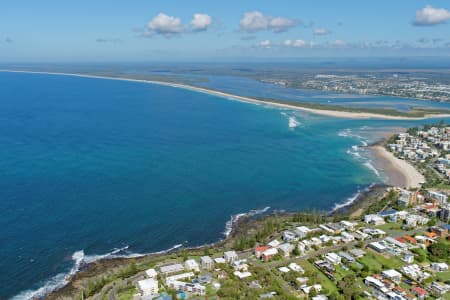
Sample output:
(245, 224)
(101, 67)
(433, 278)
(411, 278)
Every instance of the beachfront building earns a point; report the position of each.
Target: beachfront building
(193, 288)
(171, 269)
(206, 262)
(191, 265)
(302, 231)
(148, 287)
(151, 273)
(230, 256)
(374, 219)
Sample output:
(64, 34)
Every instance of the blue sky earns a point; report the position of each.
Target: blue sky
(145, 30)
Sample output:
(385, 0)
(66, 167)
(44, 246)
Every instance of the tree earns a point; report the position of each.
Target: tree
(432, 222)
(439, 250)
(347, 286)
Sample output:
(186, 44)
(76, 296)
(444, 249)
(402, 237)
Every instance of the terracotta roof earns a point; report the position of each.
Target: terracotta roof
(419, 291)
(261, 248)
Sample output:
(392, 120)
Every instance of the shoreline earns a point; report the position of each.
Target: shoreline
(238, 219)
(316, 111)
(399, 172)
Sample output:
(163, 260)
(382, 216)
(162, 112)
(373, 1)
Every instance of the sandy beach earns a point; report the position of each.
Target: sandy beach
(400, 172)
(323, 112)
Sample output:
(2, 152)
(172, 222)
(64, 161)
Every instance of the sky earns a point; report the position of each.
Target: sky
(172, 30)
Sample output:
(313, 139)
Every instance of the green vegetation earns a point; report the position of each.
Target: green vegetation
(439, 250)
(127, 293)
(315, 275)
(389, 199)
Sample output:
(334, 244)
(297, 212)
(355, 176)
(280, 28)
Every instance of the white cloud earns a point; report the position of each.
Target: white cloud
(265, 44)
(338, 43)
(280, 24)
(429, 15)
(256, 21)
(294, 43)
(165, 25)
(201, 22)
(299, 43)
(321, 31)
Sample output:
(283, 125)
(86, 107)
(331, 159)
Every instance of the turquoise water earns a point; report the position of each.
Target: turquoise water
(95, 165)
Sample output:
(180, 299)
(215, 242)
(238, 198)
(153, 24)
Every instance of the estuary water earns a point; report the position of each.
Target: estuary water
(96, 166)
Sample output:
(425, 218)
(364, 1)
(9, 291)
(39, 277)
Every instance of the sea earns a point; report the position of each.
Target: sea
(93, 168)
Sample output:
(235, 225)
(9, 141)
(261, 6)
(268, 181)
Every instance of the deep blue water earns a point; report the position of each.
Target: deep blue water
(94, 165)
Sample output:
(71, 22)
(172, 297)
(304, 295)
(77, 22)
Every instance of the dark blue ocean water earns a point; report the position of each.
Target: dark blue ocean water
(95, 165)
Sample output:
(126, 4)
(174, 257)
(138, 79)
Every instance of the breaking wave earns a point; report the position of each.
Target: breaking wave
(292, 120)
(79, 259)
(369, 165)
(352, 199)
(235, 218)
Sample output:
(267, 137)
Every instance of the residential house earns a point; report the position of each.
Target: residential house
(191, 265)
(148, 286)
(171, 269)
(392, 275)
(206, 262)
(230, 256)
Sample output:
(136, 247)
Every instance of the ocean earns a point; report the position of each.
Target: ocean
(96, 166)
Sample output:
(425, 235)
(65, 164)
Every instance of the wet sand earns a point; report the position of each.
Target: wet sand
(400, 172)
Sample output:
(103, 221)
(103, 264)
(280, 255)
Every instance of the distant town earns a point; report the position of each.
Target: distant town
(409, 85)
(396, 248)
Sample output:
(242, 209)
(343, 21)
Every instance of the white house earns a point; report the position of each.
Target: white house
(230, 256)
(274, 244)
(374, 219)
(191, 265)
(333, 258)
(302, 231)
(148, 286)
(193, 288)
(151, 273)
(295, 267)
(170, 269)
(286, 249)
(439, 267)
(392, 275)
(206, 262)
(242, 275)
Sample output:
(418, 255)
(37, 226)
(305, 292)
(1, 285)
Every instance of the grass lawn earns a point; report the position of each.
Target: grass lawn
(379, 262)
(341, 273)
(322, 279)
(390, 226)
(127, 294)
(444, 276)
(371, 263)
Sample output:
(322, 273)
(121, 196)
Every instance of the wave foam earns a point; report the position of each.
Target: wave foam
(350, 200)
(54, 283)
(60, 280)
(369, 165)
(293, 122)
(347, 202)
(235, 218)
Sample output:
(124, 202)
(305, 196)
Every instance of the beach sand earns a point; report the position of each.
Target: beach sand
(323, 112)
(400, 172)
